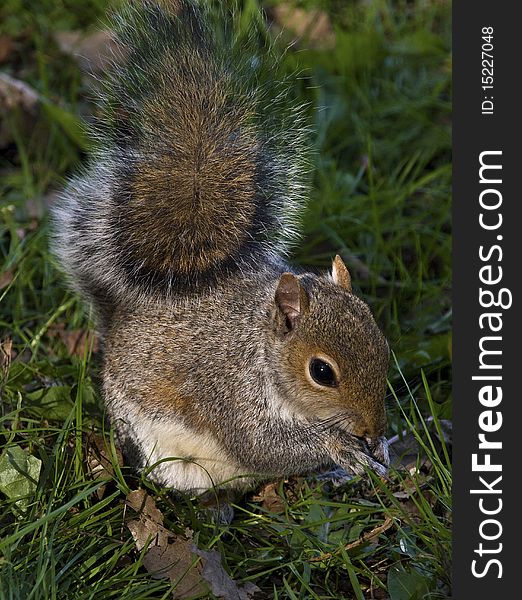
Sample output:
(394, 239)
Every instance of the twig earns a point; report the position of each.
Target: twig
(366, 537)
(395, 438)
(14, 92)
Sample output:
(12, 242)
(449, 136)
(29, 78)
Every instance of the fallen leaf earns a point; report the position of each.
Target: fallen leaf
(145, 506)
(168, 555)
(19, 473)
(6, 355)
(221, 584)
(99, 461)
(77, 341)
(5, 278)
(6, 349)
(194, 572)
(400, 495)
(177, 562)
(269, 498)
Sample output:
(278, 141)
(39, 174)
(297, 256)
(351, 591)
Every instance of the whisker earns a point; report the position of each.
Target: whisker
(337, 419)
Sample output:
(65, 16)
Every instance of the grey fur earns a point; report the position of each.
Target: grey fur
(209, 370)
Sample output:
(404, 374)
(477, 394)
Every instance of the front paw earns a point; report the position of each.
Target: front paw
(357, 455)
(380, 449)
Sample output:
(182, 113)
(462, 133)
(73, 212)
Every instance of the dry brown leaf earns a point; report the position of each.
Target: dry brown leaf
(15, 93)
(99, 454)
(313, 25)
(148, 528)
(143, 504)
(168, 555)
(92, 51)
(269, 498)
(6, 355)
(171, 556)
(177, 562)
(400, 495)
(221, 584)
(5, 278)
(77, 341)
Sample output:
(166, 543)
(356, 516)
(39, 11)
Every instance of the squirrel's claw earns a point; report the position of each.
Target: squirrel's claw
(380, 449)
(366, 454)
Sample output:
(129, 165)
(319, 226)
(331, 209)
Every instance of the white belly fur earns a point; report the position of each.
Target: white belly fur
(201, 462)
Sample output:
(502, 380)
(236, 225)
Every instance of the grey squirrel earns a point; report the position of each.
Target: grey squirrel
(222, 363)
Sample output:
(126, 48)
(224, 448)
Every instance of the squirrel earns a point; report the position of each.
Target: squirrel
(222, 364)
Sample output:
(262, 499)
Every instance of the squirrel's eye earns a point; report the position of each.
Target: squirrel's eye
(322, 373)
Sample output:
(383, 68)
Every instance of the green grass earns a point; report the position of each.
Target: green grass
(380, 107)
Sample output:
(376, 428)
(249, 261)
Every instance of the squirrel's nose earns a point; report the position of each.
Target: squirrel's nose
(373, 429)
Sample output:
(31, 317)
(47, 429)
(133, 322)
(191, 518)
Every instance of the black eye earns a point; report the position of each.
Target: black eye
(322, 373)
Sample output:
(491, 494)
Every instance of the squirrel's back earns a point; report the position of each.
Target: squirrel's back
(187, 183)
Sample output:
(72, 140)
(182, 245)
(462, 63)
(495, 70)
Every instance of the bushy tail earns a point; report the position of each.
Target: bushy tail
(188, 184)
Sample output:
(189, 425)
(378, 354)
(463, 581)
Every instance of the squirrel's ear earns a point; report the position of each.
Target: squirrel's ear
(291, 301)
(340, 274)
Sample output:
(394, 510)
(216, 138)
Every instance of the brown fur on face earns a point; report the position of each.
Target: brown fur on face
(338, 325)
